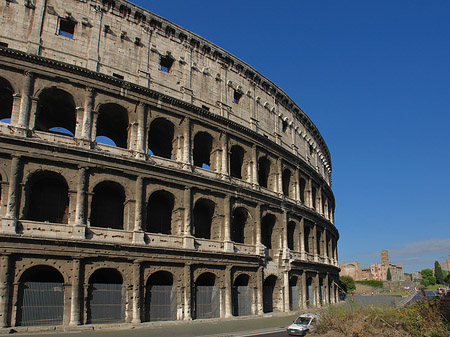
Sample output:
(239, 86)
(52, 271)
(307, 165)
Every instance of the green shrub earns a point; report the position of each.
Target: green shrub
(371, 283)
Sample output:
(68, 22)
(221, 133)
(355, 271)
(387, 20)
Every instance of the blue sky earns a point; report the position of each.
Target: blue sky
(374, 77)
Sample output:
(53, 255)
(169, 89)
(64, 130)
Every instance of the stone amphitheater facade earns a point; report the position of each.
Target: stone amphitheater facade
(147, 174)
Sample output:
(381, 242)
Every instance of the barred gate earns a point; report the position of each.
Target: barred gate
(310, 295)
(293, 297)
(242, 301)
(207, 302)
(161, 303)
(106, 304)
(42, 303)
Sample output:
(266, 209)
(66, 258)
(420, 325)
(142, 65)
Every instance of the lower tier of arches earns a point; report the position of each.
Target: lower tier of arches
(41, 290)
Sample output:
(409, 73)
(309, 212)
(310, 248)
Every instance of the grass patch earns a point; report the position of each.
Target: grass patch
(371, 283)
(421, 319)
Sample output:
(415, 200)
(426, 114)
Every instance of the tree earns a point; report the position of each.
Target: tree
(438, 273)
(389, 275)
(426, 273)
(347, 283)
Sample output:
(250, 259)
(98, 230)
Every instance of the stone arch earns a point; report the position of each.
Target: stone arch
(6, 100)
(236, 161)
(40, 297)
(239, 222)
(294, 292)
(107, 206)
(267, 226)
(160, 138)
(241, 296)
(112, 125)
(264, 169)
(269, 295)
(203, 213)
(206, 296)
(56, 111)
(292, 241)
(159, 212)
(201, 152)
(286, 182)
(302, 186)
(46, 197)
(105, 301)
(160, 297)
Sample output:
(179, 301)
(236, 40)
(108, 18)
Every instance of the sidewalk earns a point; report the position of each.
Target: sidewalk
(236, 326)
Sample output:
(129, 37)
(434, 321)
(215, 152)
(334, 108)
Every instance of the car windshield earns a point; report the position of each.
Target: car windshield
(302, 320)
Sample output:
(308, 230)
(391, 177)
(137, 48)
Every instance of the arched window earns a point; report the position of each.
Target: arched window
(306, 238)
(6, 100)
(238, 221)
(107, 205)
(313, 197)
(112, 125)
(286, 181)
(48, 198)
(291, 235)
(160, 297)
(203, 213)
(241, 296)
(236, 160)
(263, 171)
(160, 138)
(293, 293)
(40, 297)
(267, 224)
(206, 297)
(159, 212)
(202, 149)
(105, 302)
(268, 293)
(56, 112)
(302, 190)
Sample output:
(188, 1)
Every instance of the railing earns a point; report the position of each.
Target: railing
(208, 245)
(162, 240)
(44, 229)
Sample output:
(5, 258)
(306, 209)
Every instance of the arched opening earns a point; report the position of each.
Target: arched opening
(236, 160)
(313, 197)
(159, 212)
(202, 150)
(307, 238)
(160, 297)
(238, 222)
(267, 225)
(105, 303)
(302, 190)
(263, 171)
(293, 293)
(309, 292)
(112, 125)
(48, 198)
(6, 100)
(56, 112)
(291, 235)
(202, 217)
(241, 296)
(107, 205)
(41, 297)
(319, 242)
(160, 138)
(207, 297)
(268, 293)
(286, 182)
(321, 292)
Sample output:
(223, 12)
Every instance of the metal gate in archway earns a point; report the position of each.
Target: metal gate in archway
(106, 303)
(207, 302)
(293, 297)
(161, 303)
(242, 301)
(42, 303)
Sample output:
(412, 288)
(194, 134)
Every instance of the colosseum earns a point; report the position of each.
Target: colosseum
(148, 174)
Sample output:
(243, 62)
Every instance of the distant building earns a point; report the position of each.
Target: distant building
(352, 269)
(446, 265)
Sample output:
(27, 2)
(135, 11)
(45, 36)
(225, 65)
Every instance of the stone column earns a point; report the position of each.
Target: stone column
(75, 306)
(316, 290)
(326, 285)
(81, 208)
(86, 133)
(325, 245)
(138, 231)
(284, 223)
(10, 221)
(225, 154)
(296, 195)
(302, 239)
(188, 240)
(229, 246)
(4, 289)
(258, 244)
(319, 207)
(228, 285)
(310, 202)
(25, 104)
(279, 182)
(254, 163)
(187, 292)
(141, 134)
(136, 292)
(316, 255)
(187, 141)
(259, 291)
(286, 290)
(304, 290)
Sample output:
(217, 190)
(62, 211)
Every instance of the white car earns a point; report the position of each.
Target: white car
(303, 323)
